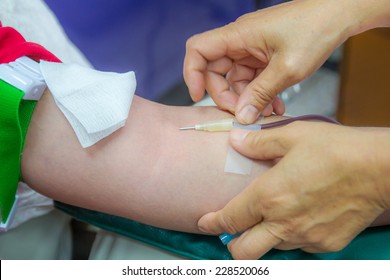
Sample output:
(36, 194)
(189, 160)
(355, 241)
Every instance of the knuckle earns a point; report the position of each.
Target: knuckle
(331, 245)
(289, 229)
(311, 238)
(229, 224)
(292, 71)
(286, 230)
(192, 41)
(240, 253)
(263, 95)
(241, 18)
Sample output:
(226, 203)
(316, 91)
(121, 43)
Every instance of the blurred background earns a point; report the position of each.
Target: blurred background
(149, 37)
(146, 36)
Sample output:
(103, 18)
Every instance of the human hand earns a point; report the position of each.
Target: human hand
(329, 183)
(244, 65)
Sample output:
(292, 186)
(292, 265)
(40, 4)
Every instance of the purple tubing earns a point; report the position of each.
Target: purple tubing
(299, 118)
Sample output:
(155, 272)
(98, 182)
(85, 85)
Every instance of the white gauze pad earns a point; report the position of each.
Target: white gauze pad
(95, 103)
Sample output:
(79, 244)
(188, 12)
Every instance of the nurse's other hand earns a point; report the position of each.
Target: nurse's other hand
(245, 64)
(329, 183)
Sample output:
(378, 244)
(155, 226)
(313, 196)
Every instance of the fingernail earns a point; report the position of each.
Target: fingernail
(226, 237)
(202, 229)
(204, 222)
(248, 114)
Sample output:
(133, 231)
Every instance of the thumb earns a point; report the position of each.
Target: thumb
(261, 145)
(262, 90)
(241, 213)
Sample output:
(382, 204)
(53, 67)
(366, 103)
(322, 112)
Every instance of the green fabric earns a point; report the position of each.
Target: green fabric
(26, 109)
(371, 244)
(15, 115)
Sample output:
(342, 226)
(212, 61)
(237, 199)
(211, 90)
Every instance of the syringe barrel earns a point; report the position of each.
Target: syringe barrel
(216, 126)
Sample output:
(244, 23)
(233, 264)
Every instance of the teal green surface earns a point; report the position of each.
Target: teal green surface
(371, 244)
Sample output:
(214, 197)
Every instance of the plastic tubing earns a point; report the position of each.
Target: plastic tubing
(310, 117)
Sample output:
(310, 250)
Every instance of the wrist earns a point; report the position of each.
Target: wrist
(382, 150)
(366, 14)
(374, 162)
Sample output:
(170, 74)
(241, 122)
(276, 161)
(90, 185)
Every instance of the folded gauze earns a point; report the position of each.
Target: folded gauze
(95, 103)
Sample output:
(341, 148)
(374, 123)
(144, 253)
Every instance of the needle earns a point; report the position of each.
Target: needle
(187, 128)
(213, 126)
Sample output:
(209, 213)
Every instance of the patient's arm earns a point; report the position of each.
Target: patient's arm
(148, 171)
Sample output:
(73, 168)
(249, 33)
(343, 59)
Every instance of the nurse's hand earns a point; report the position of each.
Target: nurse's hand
(329, 183)
(245, 64)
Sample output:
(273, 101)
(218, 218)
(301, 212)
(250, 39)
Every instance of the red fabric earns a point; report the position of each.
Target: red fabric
(13, 46)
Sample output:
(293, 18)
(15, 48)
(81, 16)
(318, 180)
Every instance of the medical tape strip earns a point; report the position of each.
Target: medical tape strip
(235, 162)
(95, 103)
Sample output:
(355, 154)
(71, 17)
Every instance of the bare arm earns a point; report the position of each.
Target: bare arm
(148, 171)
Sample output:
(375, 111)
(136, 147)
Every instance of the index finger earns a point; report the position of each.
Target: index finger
(194, 66)
(200, 49)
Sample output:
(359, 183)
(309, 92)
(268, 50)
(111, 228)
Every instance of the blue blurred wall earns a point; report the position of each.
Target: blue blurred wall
(147, 36)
